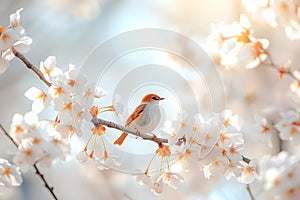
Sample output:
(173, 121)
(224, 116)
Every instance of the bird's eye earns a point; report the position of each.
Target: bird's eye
(154, 98)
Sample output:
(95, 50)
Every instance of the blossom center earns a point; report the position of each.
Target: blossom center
(6, 171)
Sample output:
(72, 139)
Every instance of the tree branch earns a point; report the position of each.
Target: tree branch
(250, 192)
(7, 135)
(37, 171)
(97, 122)
(145, 136)
(30, 66)
(281, 69)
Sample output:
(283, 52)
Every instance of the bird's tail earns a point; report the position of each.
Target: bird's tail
(121, 139)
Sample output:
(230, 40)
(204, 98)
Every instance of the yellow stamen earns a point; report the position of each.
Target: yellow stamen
(161, 164)
(18, 128)
(149, 164)
(2, 30)
(87, 144)
(104, 146)
(6, 171)
(72, 82)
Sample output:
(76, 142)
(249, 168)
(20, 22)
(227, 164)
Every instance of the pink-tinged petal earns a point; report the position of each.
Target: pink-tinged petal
(9, 174)
(37, 106)
(31, 119)
(157, 188)
(7, 39)
(82, 157)
(8, 55)
(15, 18)
(47, 66)
(144, 179)
(172, 179)
(23, 45)
(33, 93)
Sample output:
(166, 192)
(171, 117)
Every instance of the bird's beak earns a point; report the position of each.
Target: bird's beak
(161, 99)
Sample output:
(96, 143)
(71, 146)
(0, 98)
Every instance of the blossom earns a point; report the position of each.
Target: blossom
(166, 178)
(252, 54)
(13, 36)
(249, 172)
(27, 155)
(49, 69)
(210, 140)
(74, 81)
(171, 179)
(280, 175)
(218, 167)
(18, 128)
(237, 46)
(289, 126)
(144, 179)
(157, 187)
(279, 12)
(178, 129)
(23, 127)
(82, 157)
(40, 99)
(7, 39)
(226, 120)
(264, 128)
(55, 151)
(10, 175)
(229, 139)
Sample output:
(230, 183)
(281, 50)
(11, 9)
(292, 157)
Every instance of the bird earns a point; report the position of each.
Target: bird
(144, 118)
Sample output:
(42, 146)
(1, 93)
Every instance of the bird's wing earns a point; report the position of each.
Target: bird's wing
(135, 114)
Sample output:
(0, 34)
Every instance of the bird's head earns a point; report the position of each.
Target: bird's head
(151, 98)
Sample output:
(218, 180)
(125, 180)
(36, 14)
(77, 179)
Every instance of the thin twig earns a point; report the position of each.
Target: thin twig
(7, 135)
(250, 192)
(37, 171)
(281, 70)
(145, 136)
(30, 66)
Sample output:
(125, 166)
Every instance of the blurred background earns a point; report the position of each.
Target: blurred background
(70, 29)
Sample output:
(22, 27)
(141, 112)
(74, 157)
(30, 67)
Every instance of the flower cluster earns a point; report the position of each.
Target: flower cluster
(264, 128)
(281, 175)
(236, 46)
(35, 144)
(13, 36)
(164, 177)
(217, 141)
(289, 127)
(226, 156)
(71, 95)
(277, 12)
(47, 141)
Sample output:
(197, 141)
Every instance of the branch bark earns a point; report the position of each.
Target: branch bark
(30, 66)
(145, 136)
(250, 192)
